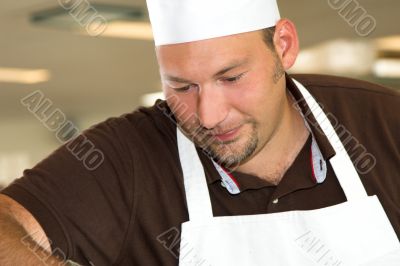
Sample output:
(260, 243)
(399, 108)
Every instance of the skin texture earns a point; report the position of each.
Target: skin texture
(250, 97)
(22, 241)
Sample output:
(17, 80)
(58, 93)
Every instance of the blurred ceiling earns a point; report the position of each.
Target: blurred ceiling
(109, 75)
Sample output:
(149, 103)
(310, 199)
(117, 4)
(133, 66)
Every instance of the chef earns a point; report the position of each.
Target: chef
(242, 164)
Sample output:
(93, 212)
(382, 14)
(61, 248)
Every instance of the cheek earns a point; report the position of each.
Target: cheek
(183, 106)
(254, 94)
(259, 99)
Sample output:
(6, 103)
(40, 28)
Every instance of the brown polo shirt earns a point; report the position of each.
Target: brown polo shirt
(129, 210)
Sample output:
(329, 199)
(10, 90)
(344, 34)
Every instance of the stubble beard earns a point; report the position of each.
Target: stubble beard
(232, 153)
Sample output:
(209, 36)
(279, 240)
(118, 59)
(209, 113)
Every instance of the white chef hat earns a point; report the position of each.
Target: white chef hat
(178, 21)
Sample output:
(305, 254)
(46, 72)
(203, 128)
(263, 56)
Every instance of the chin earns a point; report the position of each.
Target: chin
(232, 154)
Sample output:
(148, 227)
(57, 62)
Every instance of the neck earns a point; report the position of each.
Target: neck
(278, 154)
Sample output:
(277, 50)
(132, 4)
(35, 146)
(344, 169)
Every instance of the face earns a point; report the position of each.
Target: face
(226, 93)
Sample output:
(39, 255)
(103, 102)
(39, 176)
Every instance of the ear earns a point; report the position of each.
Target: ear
(286, 42)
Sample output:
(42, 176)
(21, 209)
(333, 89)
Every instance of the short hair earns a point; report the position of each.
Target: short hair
(268, 37)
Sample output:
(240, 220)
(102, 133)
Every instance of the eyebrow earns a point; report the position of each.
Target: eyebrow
(231, 66)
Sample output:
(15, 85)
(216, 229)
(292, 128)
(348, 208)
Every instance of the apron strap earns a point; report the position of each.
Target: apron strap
(194, 179)
(341, 162)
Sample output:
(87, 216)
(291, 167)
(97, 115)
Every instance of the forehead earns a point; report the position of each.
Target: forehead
(210, 50)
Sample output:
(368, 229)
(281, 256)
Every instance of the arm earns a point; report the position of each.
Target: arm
(79, 209)
(23, 241)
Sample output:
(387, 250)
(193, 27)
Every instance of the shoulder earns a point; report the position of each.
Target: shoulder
(140, 123)
(352, 97)
(344, 85)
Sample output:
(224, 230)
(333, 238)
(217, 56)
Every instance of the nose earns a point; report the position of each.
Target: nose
(212, 107)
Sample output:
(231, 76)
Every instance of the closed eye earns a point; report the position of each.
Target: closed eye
(183, 89)
(233, 79)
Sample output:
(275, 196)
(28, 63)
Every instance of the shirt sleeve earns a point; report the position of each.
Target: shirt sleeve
(82, 194)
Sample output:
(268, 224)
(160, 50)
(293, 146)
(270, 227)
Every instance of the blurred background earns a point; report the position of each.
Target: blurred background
(95, 59)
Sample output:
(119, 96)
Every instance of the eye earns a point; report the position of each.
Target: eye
(234, 79)
(184, 89)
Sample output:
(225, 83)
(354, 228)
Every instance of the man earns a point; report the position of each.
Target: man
(264, 146)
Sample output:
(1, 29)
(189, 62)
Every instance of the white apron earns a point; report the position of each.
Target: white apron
(356, 232)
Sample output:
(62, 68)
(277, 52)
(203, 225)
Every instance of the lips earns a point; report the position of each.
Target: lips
(227, 135)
